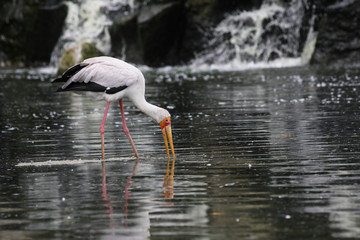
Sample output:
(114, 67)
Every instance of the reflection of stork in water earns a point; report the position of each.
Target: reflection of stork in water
(112, 79)
(108, 202)
(168, 191)
(168, 186)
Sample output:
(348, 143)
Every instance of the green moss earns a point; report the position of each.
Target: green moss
(68, 59)
(75, 55)
(89, 50)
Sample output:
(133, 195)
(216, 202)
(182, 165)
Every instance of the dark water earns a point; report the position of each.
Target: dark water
(261, 154)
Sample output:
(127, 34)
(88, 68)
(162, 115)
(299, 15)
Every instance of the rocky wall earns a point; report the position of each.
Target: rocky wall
(338, 40)
(29, 31)
(169, 32)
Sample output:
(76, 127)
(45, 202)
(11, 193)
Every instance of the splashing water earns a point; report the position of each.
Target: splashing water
(262, 38)
(266, 37)
(89, 21)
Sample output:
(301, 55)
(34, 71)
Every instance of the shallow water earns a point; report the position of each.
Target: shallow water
(261, 154)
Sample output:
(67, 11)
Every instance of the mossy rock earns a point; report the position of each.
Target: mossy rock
(160, 30)
(77, 54)
(89, 50)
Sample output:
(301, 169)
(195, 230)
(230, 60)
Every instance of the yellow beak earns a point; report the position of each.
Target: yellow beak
(167, 134)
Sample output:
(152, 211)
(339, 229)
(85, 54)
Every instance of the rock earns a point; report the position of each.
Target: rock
(339, 36)
(167, 32)
(68, 59)
(160, 32)
(42, 37)
(214, 10)
(151, 36)
(202, 16)
(11, 28)
(124, 39)
(160, 29)
(29, 31)
(75, 55)
(89, 50)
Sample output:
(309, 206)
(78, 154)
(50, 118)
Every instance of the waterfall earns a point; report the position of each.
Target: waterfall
(89, 21)
(266, 37)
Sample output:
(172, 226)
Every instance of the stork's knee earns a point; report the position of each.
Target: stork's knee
(126, 130)
(102, 130)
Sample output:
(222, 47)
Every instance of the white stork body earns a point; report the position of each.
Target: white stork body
(112, 79)
(110, 73)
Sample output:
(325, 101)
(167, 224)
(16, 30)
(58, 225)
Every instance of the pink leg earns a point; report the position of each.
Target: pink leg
(102, 130)
(126, 130)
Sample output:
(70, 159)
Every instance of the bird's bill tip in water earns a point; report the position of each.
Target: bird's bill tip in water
(167, 134)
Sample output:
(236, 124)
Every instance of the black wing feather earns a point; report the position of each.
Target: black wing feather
(92, 87)
(81, 86)
(70, 72)
(115, 89)
(77, 86)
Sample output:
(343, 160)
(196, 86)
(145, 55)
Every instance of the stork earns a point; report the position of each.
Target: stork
(112, 79)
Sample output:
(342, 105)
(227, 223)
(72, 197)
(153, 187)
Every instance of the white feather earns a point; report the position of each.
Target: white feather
(112, 73)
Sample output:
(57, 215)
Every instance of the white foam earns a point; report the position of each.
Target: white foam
(70, 162)
(241, 66)
(88, 21)
(263, 38)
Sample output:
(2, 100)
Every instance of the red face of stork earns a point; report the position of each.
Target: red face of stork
(167, 134)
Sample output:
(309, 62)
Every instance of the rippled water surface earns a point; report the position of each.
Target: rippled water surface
(261, 154)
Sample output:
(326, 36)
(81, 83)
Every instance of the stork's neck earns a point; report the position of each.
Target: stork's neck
(155, 112)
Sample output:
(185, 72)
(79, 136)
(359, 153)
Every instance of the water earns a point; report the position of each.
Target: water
(261, 154)
(265, 37)
(89, 21)
(261, 38)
